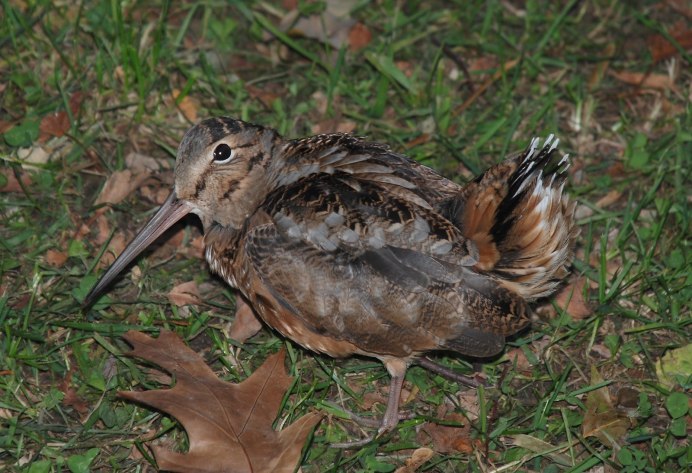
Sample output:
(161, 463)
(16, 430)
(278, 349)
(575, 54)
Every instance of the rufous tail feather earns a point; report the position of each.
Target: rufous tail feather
(521, 221)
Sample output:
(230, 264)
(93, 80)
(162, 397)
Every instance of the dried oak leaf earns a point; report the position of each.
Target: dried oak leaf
(229, 425)
(602, 419)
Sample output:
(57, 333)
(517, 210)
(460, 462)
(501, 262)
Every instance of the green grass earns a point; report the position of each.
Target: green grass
(60, 369)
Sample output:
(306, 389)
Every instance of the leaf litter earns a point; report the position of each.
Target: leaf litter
(603, 419)
(229, 425)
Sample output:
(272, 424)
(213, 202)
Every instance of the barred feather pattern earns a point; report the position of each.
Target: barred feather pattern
(521, 221)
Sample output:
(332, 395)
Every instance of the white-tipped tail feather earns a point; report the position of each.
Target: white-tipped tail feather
(521, 221)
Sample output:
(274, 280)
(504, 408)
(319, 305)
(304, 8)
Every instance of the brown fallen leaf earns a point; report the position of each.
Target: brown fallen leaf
(229, 425)
(264, 95)
(195, 249)
(53, 124)
(609, 199)
(115, 247)
(602, 420)
(187, 105)
(5, 125)
(518, 358)
(138, 163)
(662, 49)
(334, 125)
(119, 185)
(642, 79)
(418, 458)
(502, 70)
(12, 184)
(333, 26)
(246, 324)
(539, 447)
(448, 438)
(55, 258)
(359, 37)
(571, 299)
(186, 293)
(75, 103)
(103, 230)
(71, 397)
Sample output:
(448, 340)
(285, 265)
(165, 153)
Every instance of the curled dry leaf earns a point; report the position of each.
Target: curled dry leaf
(187, 105)
(418, 458)
(647, 81)
(448, 438)
(195, 249)
(186, 293)
(119, 185)
(609, 199)
(333, 26)
(115, 247)
(140, 163)
(55, 258)
(31, 157)
(229, 425)
(468, 401)
(571, 299)
(334, 125)
(246, 324)
(540, 447)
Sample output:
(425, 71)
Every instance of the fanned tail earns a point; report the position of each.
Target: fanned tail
(520, 220)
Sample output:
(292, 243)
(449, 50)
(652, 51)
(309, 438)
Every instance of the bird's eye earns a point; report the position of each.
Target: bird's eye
(223, 154)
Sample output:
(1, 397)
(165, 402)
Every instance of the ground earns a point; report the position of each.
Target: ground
(96, 96)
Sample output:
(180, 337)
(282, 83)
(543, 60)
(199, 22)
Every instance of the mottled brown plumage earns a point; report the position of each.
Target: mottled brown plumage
(348, 248)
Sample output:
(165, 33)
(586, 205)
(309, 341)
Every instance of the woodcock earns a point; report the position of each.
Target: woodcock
(348, 248)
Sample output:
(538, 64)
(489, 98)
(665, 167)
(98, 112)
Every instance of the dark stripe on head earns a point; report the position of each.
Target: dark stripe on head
(220, 127)
(232, 186)
(201, 184)
(254, 160)
(207, 132)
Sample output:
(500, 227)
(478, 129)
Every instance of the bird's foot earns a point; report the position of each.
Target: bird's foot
(382, 427)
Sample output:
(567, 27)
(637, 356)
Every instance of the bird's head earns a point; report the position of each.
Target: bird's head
(222, 173)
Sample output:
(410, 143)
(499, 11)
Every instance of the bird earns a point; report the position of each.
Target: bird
(347, 248)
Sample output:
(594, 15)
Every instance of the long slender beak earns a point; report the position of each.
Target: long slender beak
(170, 212)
